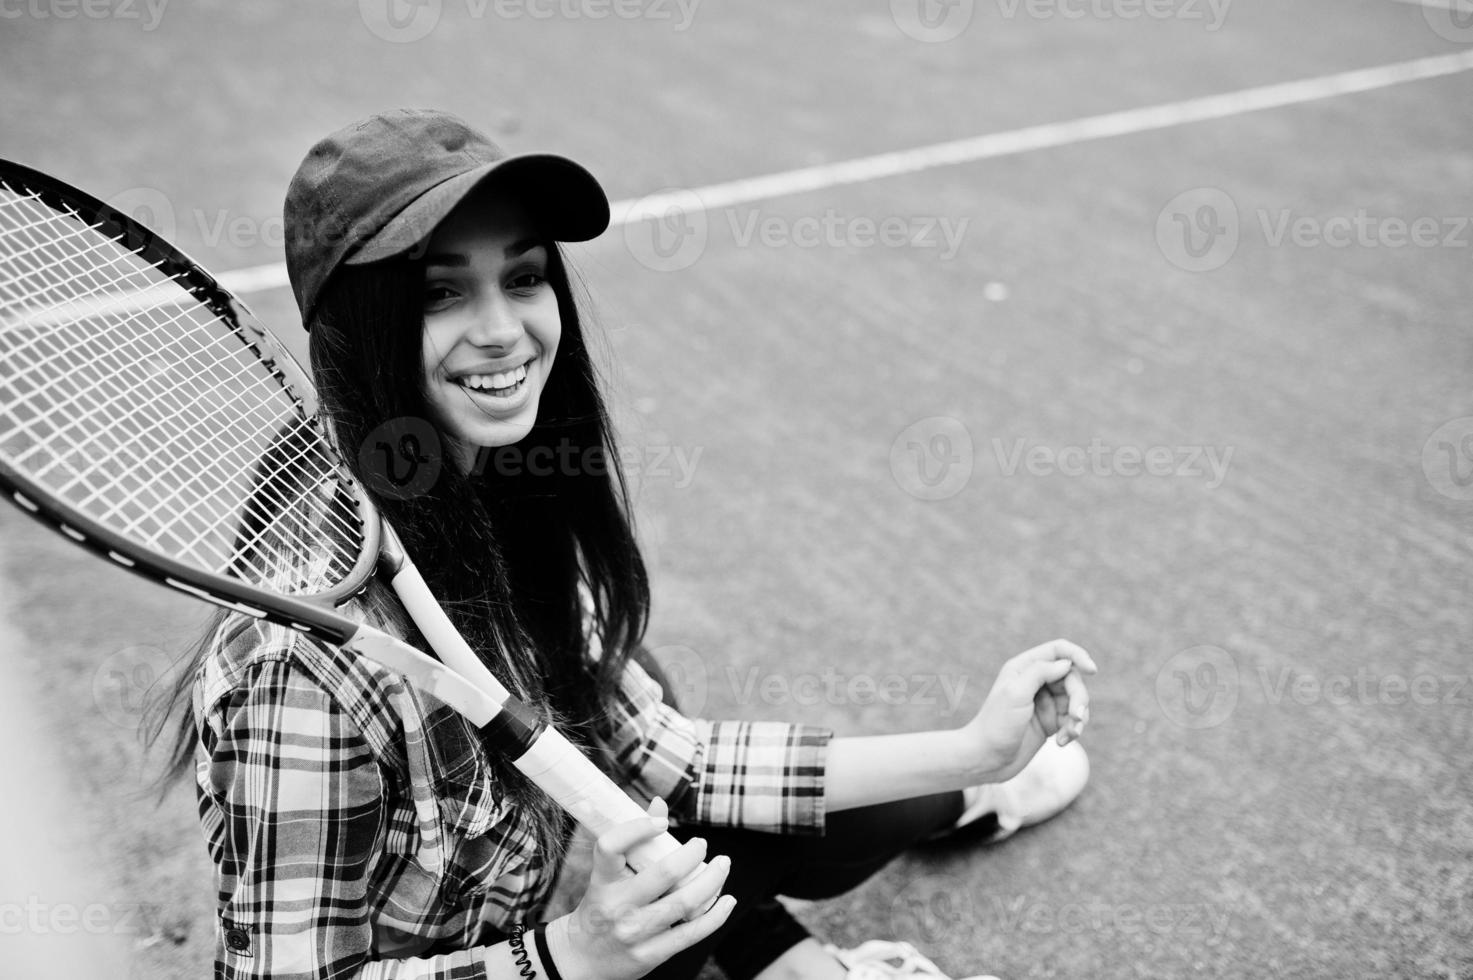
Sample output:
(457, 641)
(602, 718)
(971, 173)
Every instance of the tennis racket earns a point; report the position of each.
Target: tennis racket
(148, 417)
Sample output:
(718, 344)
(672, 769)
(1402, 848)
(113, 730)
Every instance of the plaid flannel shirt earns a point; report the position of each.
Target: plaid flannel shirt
(355, 831)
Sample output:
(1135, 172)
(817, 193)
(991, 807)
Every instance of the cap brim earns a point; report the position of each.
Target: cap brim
(563, 199)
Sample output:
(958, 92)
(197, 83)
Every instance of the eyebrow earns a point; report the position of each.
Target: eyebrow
(456, 260)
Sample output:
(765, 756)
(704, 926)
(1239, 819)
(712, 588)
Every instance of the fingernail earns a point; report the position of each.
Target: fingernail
(659, 823)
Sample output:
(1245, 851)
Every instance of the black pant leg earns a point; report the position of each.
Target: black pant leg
(856, 843)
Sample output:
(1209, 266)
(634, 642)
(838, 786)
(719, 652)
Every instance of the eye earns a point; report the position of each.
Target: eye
(526, 282)
(437, 296)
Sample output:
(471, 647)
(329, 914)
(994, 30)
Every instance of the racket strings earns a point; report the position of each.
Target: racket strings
(297, 496)
(137, 403)
(160, 451)
(55, 409)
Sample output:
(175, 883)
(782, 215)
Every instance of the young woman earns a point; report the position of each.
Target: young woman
(358, 827)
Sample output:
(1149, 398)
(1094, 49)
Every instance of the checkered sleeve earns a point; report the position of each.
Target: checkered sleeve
(303, 813)
(756, 775)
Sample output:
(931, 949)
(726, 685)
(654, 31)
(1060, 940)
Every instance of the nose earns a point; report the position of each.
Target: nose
(497, 323)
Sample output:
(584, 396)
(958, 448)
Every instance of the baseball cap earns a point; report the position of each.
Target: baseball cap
(377, 188)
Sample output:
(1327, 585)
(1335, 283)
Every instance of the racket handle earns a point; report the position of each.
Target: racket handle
(553, 763)
(567, 775)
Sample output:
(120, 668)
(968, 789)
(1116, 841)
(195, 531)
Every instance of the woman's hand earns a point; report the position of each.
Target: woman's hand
(627, 923)
(1037, 694)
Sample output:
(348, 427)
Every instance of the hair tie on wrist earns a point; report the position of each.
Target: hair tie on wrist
(539, 936)
(519, 951)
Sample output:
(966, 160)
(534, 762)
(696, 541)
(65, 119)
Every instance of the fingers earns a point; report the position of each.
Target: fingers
(1071, 701)
(1078, 697)
(611, 846)
(1057, 665)
(1061, 650)
(1043, 673)
(665, 874)
(686, 902)
(685, 935)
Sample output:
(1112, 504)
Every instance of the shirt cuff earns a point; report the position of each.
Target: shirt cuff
(762, 775)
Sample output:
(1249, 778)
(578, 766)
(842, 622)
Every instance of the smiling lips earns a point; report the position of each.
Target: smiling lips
(500, 383)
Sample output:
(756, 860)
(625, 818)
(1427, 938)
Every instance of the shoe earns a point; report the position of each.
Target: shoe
(881, 960)
(1053, 779)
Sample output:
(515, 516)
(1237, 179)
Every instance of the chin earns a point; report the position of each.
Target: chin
(504, 432)
(505, 435)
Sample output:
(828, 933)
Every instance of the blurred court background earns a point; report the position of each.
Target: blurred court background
(1190, 387)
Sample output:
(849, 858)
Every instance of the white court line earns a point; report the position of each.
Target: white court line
(991, 146)
(1459, 6)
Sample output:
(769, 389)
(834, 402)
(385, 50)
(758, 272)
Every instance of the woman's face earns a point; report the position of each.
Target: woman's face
(491, 325)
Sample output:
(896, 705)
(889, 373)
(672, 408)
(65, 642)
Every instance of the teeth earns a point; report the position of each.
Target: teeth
(503, 379)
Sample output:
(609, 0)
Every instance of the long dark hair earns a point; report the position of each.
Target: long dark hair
(501, 547)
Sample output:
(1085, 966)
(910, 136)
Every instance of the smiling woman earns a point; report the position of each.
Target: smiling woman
(361, 829)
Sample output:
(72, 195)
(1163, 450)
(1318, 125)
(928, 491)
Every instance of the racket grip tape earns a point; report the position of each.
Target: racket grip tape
(566, 774)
